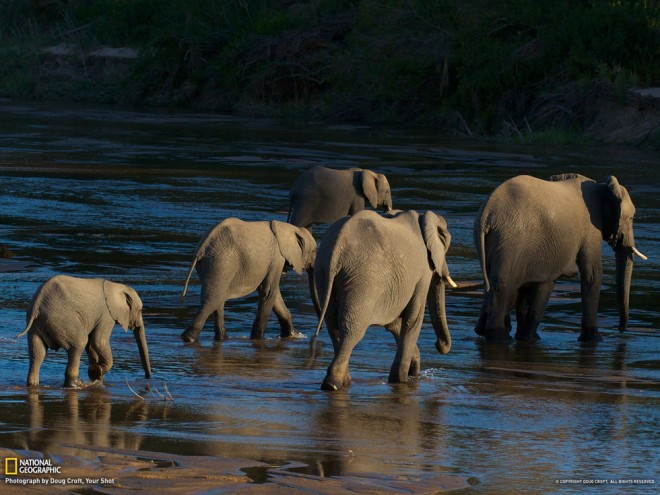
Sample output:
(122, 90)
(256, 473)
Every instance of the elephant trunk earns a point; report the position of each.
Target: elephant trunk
(624, 268)
(436, 301)
(141, 340)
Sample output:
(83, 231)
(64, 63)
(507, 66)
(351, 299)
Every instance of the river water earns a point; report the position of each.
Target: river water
(125, 195)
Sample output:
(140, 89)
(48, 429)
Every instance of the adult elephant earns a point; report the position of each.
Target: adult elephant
(381, 270)
(78, 314)
(324, 195)
(236, 258)
(531, 231)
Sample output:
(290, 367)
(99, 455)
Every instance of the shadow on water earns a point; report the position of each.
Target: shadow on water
(126, 196)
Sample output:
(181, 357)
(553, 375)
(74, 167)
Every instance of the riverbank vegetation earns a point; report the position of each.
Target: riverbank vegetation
(509, 67)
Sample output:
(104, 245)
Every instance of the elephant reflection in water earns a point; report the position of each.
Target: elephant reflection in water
(260, 360)
(372, 436)
(83, 418)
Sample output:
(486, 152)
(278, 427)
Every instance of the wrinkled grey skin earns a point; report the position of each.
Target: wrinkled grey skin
(532, 231)
(324, 195)
(236, 258)
(381, 270)
(78, 314)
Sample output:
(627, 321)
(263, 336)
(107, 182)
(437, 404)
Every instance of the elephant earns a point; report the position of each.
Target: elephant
(531, 231)
(382, 270)
(324, 195)
(236, 258)
(78, 314)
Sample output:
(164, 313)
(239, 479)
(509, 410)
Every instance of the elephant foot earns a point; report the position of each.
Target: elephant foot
(590, 334)
(189, 335)
(528, 337)
(287, 330)
(292, 335)
(219, 337)
(395, 378)
(331, 383)
(498, 335)
(95, 372)
(72, 382)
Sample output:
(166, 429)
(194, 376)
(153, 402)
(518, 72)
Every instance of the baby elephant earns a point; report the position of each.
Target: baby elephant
(236, 258)
(78, 314)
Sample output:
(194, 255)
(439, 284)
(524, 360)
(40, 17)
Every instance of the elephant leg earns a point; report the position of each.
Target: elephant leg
(500, 302)
(338, 374)
(480, 327)
(37, 350)
(99, 353)
(268, 293)
(536, 302)
(72, 372)
(522, 311)
(395, 329)
(590, 281)
(407, 350)
(208, 307)
(284, 317)
(219, 327)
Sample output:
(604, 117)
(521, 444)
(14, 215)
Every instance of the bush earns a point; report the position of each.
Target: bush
(479, 61)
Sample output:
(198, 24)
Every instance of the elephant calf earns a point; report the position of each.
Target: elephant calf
(236, 258)
(78, 314)
(382, 270)
(324, 195)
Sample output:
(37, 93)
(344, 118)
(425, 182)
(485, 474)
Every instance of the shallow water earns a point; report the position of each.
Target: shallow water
(125, 195)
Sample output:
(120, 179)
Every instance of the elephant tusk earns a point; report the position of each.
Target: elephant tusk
(639, 254)
(450, 281)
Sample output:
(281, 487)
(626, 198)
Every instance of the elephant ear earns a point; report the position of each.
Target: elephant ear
(437, 239)
(119, 301)
(291, 243)
(612, 210)
(370, 187)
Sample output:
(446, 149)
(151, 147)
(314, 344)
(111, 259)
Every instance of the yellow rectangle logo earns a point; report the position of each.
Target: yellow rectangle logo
(11, 465)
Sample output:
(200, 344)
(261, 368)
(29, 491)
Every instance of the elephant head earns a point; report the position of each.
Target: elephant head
(437, 240)
(617, 216)
(125, 307)
(297, 245)
(376, 189)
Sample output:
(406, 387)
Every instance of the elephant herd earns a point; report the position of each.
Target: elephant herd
(369, 269)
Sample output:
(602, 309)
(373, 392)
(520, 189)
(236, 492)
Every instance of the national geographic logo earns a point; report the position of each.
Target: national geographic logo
(11, 466)
(15, 466)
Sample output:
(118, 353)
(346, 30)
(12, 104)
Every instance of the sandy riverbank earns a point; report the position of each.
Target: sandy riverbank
(121, 471)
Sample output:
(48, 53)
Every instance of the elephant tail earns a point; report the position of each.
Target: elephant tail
(324, 308)
(29, 325)
(481, 250)
(185, 285)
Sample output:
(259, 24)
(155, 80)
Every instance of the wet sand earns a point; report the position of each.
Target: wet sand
(123, 471)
